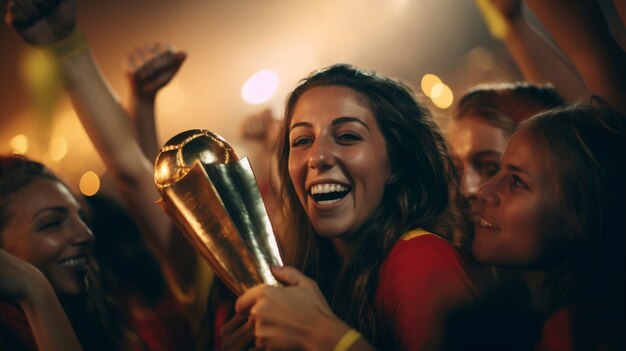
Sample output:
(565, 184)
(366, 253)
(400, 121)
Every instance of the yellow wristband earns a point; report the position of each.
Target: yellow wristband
(347, 340)
(495, 22)
(65, 48)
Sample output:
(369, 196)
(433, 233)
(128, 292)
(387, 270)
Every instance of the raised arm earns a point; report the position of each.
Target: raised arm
(24, 284)
(150, 68)
(50, 25)
(580, 29)
(539, 61)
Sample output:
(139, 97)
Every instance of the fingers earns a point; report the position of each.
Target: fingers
(23, 13)
(290, 276)
(151, 67)
(155, 57)
(287, 275)
(237, 333)
(246, 301)
(234, 323)
(42, 22)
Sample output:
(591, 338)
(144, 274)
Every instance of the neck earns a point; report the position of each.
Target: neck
(341, 248)
(539, 298)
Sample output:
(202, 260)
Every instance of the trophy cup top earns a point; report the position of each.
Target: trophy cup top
(178, 155)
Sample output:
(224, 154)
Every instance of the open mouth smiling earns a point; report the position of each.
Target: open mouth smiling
(328, 193)
(485, 223)
(81, 262)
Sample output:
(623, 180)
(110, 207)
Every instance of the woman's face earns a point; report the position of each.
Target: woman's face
(517, 209)
(476, 147)
(45, 228)
(338, 160)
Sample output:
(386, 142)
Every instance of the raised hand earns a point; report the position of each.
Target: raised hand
(42, 22)
(24, 284)
(261, 127)
(150, 67)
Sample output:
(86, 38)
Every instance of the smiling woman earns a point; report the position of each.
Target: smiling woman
(42, 231)
(554, 214)
(366, 180)
(338, 161)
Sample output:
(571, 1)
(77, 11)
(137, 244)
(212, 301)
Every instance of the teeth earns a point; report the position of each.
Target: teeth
(484, 223)
(327, 188)
(74, 262)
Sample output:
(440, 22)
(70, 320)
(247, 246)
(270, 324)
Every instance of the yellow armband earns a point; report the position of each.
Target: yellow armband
(65, 48)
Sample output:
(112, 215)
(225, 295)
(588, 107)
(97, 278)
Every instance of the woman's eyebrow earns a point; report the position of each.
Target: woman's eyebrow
(58, 209)
(301, 124)
(342, 120)
(518, 169)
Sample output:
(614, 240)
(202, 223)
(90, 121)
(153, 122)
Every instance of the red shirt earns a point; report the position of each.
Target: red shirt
(422, 279)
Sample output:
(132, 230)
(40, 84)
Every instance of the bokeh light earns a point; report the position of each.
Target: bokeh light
(442, 96)
(260, 87)
(89, 183)
(481, 58)
(428, 82)
(19, 144)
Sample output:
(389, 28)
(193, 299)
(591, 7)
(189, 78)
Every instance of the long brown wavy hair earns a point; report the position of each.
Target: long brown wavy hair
(585, 147)
(418, 198)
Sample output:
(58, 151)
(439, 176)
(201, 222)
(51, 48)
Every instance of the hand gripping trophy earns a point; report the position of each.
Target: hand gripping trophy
(213, 197)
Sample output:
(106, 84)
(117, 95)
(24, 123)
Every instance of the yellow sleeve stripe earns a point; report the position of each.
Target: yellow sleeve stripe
(414, 233)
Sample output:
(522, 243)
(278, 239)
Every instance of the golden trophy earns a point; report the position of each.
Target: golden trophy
(213, 197)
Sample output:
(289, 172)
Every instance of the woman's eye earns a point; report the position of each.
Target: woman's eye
(489, 169)
(51, 225)
(348, 137)
(300, 141)
(516, 182)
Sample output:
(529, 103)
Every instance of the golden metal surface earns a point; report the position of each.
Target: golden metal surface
(178, 155)
(214, 199)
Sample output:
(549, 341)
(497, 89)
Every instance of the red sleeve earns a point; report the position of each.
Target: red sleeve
(421, 280)
(15, 332)
(557, 334)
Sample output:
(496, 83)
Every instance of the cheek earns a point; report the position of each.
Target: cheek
(372, 164)
(297, 173)
(46, 249)
(532, 236)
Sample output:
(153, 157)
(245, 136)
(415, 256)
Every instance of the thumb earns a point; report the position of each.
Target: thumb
(289, 276)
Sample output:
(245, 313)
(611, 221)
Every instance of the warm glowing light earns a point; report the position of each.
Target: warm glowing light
(19, 144)
(260, 87)
(437, 90)
(58, 148)
(399, 3)
(443, 97)
(428, 81)
(481, 58)
(89, 183)
(171, 99)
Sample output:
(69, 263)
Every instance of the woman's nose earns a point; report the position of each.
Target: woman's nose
(82, 235)
(470, 182)
(320, 156)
